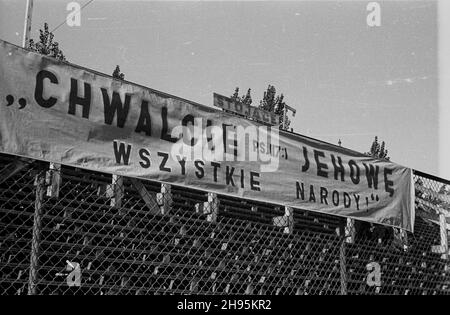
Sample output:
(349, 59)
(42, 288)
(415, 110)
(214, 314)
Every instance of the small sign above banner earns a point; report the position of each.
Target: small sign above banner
(248, 111)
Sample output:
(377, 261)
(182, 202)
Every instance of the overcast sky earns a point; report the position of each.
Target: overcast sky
(347, 80)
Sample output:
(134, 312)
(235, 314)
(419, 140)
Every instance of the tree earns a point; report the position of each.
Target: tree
(246, 99)
(385, 234)
(46, 45)
(275, 104)
(117, 74)
(270, 102)
(377, 150)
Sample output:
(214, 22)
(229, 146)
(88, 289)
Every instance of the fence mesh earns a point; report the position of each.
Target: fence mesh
(65, 230)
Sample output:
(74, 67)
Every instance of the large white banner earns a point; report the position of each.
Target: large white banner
(67, 114)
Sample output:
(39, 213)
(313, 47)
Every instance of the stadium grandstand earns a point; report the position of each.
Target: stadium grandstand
(101, 234)
(129, 229)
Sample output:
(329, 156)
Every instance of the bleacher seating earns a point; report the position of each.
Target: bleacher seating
(128, 249)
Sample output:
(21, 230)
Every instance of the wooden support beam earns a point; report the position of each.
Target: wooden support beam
(13, 168)
(210, 207)
(213, 202)
(164, 199)
(350, 231)
(286, 221)
(149, 198)
(53, 180)
(115, 191)
(193, 286)
(443, 248)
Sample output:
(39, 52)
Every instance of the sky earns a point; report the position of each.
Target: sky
(346, 79)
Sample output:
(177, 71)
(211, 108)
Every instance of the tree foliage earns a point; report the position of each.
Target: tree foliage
(46, 45)
(245, 99)
(274, 103)
(270, 102)
(378, 150)
(117, 74)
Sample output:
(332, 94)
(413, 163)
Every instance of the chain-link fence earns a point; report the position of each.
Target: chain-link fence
(65, 230)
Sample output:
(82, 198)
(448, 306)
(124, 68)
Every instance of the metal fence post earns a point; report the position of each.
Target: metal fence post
(447, 233)
(348, 237)
(444, 235)
(343, 267)
(37, 223)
